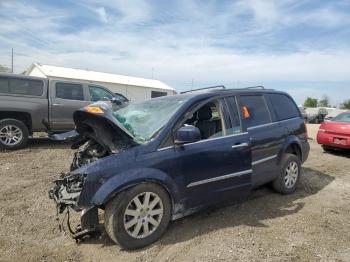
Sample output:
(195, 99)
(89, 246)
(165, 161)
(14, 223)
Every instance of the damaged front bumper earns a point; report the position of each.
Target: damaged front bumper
(67, 190)
(66, 193)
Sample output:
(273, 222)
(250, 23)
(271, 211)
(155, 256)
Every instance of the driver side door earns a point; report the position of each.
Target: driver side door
(218, 167)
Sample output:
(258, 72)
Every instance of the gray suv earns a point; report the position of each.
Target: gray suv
(32, 104)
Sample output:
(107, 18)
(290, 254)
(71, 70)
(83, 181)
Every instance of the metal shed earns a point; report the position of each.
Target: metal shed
(134, 88)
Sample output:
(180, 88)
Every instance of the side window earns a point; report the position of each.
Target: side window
(155, 94)
(255, 110)
(69, 91)
(121, 97)
(26, 86)
(234, 126)
(283, 106)
(4, 85)
(210, 121)
(98, 93)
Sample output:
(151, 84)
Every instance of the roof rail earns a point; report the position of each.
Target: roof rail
(203, 88)
(252, 87)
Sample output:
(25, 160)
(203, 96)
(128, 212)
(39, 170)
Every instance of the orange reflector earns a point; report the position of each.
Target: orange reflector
(246, 113)
(94, 110)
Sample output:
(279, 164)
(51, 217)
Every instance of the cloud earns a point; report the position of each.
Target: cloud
(211, 42)
(101, 11)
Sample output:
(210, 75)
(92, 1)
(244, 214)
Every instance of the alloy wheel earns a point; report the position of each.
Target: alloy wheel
(143, 215)
(10, 135)
(291, 174)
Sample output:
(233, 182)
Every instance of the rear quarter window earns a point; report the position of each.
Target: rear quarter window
(21, 86)
(283, 106)
(258, 111)
(4, 85)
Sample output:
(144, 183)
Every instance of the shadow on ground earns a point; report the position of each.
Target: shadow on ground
(262, 204)
(46, 143)
(339, 152)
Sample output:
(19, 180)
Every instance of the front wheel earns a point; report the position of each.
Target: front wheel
(138, 216)
(290, 170)
(13, 134)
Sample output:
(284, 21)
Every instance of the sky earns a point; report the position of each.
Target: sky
(301, 46)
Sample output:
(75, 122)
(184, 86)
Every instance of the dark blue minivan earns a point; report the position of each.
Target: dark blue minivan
(158, 160)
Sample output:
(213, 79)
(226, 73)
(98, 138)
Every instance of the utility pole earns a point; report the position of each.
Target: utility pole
(152, 73)
(12, 60)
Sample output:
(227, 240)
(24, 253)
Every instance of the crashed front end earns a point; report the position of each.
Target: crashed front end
(96, 136)
(66, 194)
(67, 190)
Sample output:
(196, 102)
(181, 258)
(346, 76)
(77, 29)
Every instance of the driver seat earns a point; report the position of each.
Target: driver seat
(204, 123)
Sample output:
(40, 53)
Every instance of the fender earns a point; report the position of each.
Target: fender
(289, 141)
(132, 177)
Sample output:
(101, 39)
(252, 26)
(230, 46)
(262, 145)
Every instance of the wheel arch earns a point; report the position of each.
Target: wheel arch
(24, 117)
(121, 182)
(291, 146)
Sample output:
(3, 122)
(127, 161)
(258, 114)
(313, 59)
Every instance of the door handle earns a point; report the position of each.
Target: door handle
(240, 145)
(57, 104)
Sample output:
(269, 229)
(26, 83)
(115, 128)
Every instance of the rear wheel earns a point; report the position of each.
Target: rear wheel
(290, 169)
(327, 148)
(13, 134)
(138, 216)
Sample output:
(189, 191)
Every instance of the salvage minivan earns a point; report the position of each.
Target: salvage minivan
(159, 160)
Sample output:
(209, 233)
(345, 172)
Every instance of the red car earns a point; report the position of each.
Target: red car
(335, 133)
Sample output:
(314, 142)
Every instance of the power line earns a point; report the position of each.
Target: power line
(12, 60)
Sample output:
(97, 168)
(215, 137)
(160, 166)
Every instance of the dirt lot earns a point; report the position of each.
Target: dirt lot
(312, 224)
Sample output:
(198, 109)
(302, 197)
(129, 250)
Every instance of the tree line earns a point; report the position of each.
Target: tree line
(324, 102)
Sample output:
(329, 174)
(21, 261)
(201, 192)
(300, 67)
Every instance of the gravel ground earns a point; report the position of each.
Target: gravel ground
(313, 224)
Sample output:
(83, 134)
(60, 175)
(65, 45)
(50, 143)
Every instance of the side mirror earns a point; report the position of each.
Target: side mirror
(187, 134)
(115, 101)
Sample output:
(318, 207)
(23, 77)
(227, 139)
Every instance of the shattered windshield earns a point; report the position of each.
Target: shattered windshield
(144, 119)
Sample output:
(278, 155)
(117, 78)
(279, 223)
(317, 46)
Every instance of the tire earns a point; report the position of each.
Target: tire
(289, 174)
(11, 128)
(117, 222)
(327, 148)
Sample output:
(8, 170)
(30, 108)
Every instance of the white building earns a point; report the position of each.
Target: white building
(134, 88)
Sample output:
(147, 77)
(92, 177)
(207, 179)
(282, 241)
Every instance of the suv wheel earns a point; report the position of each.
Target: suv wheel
(290, 170)
(138, 216)
(13, 134)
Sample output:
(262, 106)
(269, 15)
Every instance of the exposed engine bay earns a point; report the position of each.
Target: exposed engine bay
(97, 139)
(88, 153)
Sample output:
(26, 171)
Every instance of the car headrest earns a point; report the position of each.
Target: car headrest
(204, 113)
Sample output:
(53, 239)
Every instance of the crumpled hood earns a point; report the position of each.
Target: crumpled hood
(106, 128)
